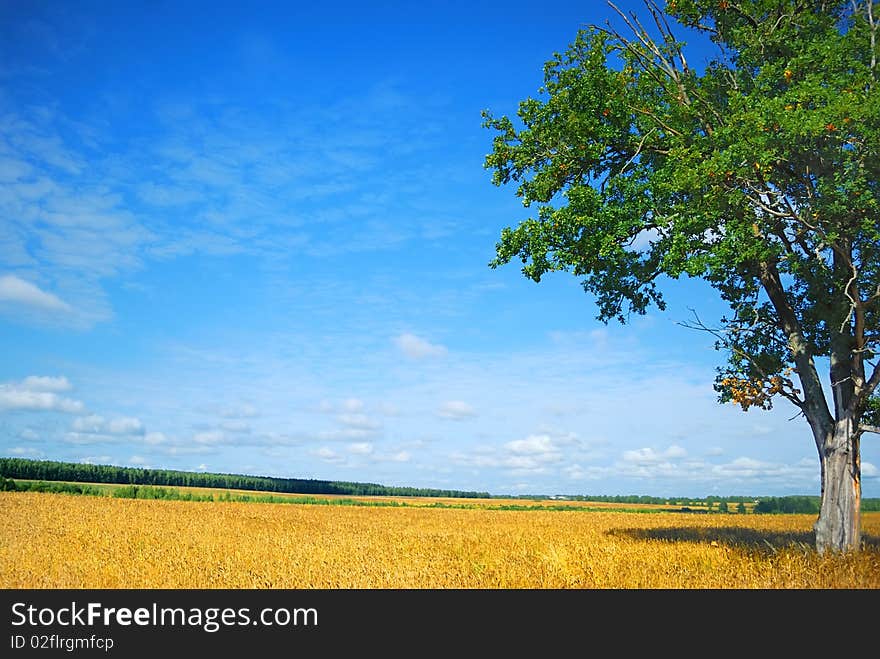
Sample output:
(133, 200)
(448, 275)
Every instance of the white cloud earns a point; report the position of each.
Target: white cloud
(329, 455)
(343, 433)
(96, 424)
(155, 438)
(533, 444)
(475, 459)
(37, 393)
(12, 398)
(28, 434)
(869, 470)
(243, 411)
(577, 472)
(361, 448)
(641, 456)
(457, 410)
(401, 456)
(75, 437)
(19, 450)
(520, 464)
(415, 347)
(210, 438)
(125, 426)
(17, 290)
(648, 456)
(358, 421)
(91, 423)
(644, 239)
(533, 455)
(46, 383)
(96, 459)
(744, 465)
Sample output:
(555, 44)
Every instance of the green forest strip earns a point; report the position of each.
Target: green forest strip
(137, 483)
(49, 470)
(174, 494)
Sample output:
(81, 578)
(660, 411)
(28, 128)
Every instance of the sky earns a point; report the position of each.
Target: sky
(254, 238)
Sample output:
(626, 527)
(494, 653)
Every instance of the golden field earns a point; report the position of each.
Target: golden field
(62, 541)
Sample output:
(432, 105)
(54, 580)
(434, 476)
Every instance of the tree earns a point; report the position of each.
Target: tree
(758, 174)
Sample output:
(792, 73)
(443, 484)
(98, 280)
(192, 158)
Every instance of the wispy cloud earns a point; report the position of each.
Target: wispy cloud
(46, 383)
(31, 394)
(18, 291)
(644, 456)
(361, 448)
(26, 451)
(456, 410)
(534, 454)
(415, 347)
(329, 455)
(359, 422)
(96, 424)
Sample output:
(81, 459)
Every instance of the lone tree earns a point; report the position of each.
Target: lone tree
(757, 172)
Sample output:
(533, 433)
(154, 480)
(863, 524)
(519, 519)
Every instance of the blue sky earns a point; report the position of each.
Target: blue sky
(255, 239)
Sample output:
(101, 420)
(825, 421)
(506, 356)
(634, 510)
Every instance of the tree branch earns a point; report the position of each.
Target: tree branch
(657, 120)
(636, 154)
(790, 395)
(815, 407)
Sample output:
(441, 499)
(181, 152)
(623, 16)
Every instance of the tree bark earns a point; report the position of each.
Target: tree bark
(838, 528)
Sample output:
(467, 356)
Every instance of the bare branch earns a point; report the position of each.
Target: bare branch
(657, 120)
(660, 16)
(699, 325)
(855, 302)
(636, 154)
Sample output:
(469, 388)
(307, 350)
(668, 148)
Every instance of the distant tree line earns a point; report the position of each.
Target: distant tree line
(9, 485)
(642, 498)
(607, 498)
(45, 475)
(50, 470)
(712, 503)
(791, 504)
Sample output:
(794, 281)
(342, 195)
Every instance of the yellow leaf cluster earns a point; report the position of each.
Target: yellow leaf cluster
(757, 393)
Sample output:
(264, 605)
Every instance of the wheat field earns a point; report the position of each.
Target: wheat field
(62, 541)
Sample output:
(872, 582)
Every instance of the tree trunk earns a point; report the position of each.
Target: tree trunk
(838, 528)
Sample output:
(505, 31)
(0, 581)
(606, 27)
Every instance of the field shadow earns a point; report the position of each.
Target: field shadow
(732, 536)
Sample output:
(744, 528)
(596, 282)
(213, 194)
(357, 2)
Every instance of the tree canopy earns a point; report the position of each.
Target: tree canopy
(756, 171)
